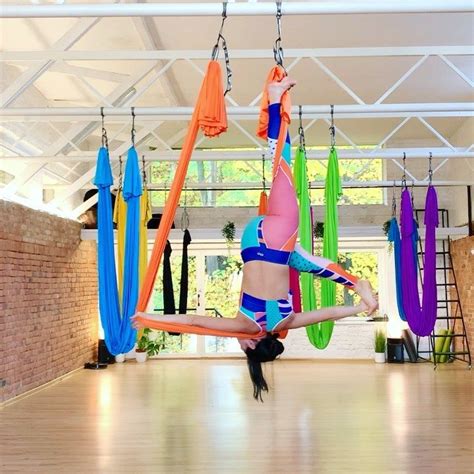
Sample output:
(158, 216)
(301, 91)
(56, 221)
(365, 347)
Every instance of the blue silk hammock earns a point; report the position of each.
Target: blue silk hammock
(394, 238)
(115, 318)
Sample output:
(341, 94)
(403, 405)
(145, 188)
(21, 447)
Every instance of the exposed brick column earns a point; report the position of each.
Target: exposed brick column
(48, 298)
(463, 262)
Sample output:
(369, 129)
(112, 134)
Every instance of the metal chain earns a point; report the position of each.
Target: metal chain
(394, 200)
(185, 215)
(303, 141)
(430, 169)
(105, 141)
(404, 176)
(144, 171)
(133, 131)
(332, 129)
(264, 181)
(301, 129)
(120, 172)
(277, 49)
(215, 51)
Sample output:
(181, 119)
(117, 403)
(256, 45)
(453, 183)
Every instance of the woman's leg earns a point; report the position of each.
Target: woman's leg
(280, 226)
(325, 314)
(238, 324)
(304, 262)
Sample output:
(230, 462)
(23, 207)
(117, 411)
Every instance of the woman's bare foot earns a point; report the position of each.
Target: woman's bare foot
(277, 89)
(364, 289)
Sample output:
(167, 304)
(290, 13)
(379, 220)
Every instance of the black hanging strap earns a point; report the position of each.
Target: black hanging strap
(184, 283)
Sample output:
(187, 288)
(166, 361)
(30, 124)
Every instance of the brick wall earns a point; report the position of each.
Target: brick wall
(463, 261)
(48, 298)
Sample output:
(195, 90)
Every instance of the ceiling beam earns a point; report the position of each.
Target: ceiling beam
(146, 55)
(70, 69)
(460, 109)
(335, 7)
(27, 78)
(121, 95)
(255, 155)
(148, 32)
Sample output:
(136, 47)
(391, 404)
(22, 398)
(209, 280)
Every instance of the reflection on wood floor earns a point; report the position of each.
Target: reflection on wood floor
(180, 416)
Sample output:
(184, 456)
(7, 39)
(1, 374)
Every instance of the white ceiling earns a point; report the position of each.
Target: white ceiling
(85, 83)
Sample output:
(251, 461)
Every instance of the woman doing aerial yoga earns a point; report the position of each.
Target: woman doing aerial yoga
(269, 249)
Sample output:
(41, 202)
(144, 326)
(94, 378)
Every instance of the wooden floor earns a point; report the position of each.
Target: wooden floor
(180, 416)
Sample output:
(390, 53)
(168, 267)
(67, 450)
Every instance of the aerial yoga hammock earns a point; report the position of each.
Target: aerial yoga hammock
(318, 334)
(421, 319)
(120, 219)
(394, 237)
(210, 116)
(264, 246)
(308, 293)
(119, 335)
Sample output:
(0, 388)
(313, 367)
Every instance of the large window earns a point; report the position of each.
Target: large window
(364, 264)
(350, 170)
(215, 278)
(245, 174)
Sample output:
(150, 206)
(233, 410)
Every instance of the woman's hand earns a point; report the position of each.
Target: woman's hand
(277, 89)
(136, 323)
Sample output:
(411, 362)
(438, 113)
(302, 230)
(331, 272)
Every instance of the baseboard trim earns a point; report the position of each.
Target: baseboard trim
(35, 390)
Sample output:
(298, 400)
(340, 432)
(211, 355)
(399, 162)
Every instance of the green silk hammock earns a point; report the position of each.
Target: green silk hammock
(305, 232)
(319, 334)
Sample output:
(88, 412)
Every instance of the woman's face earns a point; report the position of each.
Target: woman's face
(249, 343)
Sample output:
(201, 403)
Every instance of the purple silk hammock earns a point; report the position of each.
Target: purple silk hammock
(421, 319)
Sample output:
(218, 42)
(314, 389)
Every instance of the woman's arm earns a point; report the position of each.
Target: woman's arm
(325, 314)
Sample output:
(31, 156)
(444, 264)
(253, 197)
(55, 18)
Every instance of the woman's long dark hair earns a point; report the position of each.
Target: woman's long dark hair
(266, 350)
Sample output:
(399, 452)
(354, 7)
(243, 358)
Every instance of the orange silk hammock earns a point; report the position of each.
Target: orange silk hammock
(210, 116)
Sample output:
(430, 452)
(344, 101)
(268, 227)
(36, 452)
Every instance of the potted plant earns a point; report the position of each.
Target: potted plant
(120, 358)
(228, 232)
(141, 349)
(380, 345)
(147, 347)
